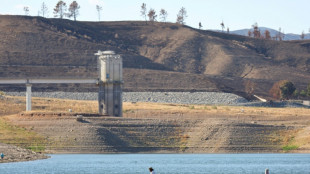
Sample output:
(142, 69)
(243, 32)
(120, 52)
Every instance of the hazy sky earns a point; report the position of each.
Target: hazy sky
(290, 15)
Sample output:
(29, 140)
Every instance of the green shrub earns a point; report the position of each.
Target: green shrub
(287, 89)
(296, 93)
(191, 107)
(303, 93)
(282, 89)
(308, 90)
(289, 147)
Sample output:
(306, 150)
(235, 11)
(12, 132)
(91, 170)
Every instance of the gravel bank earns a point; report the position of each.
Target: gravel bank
(160, 97)
(184, 97)
(17, 154)
(208, 98)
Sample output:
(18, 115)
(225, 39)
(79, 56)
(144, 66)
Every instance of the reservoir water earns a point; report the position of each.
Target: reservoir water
(163, 164)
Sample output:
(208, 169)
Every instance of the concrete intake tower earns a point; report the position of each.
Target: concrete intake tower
(110, 69)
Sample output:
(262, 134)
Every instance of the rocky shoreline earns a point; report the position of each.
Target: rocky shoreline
(17, 154)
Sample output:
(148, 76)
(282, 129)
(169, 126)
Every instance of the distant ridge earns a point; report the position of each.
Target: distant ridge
(273, 33)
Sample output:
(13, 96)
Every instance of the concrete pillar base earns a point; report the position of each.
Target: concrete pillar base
(28, 97)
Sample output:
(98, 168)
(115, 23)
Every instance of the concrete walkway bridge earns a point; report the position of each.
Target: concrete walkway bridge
(109, 81)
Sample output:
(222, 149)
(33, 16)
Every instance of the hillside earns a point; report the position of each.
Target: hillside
(153, 54)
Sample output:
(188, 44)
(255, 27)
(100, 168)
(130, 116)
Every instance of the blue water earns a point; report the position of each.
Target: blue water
(164, 164)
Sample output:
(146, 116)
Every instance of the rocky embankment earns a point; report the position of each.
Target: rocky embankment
(157, 97)
(207, 98)
(17, 154)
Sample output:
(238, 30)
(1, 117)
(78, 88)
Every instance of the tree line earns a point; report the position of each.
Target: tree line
(151, 15)
(281, 90)
(256, 33)
(60, 10)
(163, 14)
(182, 15)
(285, 89)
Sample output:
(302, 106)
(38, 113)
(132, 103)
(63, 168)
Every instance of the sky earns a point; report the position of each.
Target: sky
(289, 15)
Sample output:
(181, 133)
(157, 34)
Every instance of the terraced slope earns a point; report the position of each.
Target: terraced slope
(152, 127)
(234, 137)
(159, 131)
(103, 134)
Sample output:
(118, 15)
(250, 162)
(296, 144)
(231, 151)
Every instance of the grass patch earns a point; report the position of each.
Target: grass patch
(214, 107)
(206, 108)
(19, 136)
(36, 148)
(125, 111)
(183, 142)
(191, 107)
(227, 108)
(289, 148)
(183, 148)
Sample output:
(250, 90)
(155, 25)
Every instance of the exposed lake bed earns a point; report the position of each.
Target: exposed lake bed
(16, 154)
(153, 128)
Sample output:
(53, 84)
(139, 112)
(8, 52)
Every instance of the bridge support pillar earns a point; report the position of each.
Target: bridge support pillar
(28, 97)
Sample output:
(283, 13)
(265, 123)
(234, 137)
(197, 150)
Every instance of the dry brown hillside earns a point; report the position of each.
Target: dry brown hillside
(52, 47)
